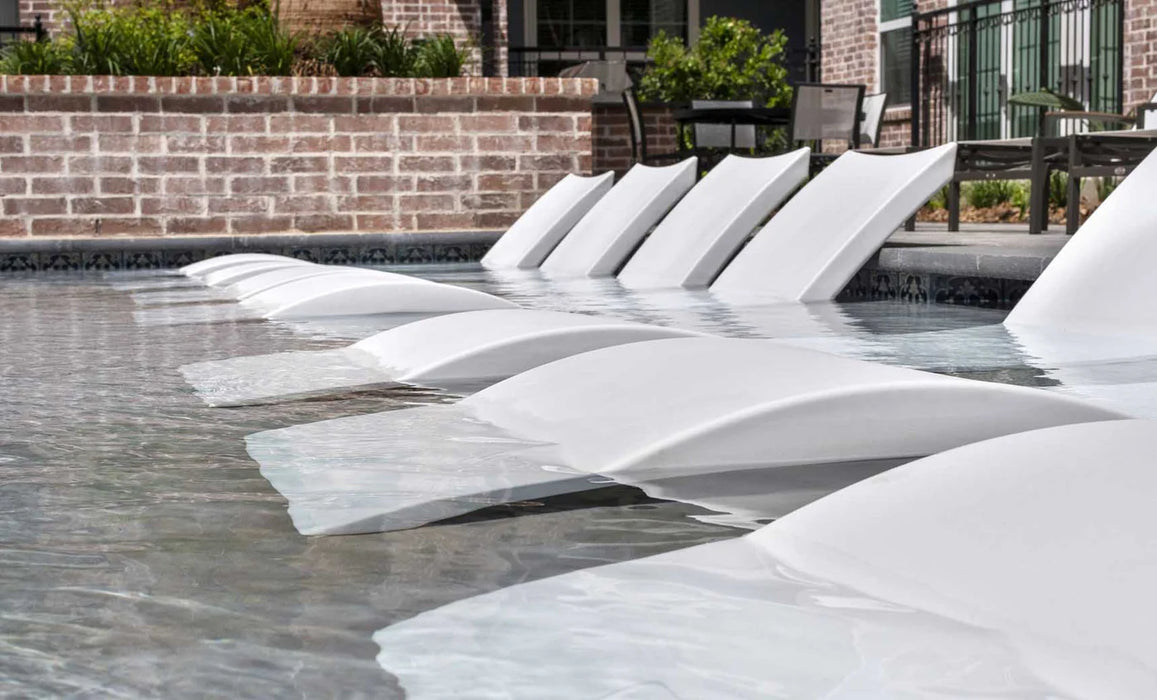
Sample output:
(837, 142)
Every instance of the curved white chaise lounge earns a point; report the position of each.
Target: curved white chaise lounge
(1021, 566)
(637, 413)
(690, 244)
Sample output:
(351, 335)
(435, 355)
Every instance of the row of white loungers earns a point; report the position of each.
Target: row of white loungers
(653, 413)
(809, 250)
(600, 221)
(746, 190)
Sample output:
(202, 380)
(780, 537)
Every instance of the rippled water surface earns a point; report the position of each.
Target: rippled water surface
(141, 553)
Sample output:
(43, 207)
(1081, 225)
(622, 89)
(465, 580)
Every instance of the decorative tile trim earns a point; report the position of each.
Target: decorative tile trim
(36, 255)
(915, 287)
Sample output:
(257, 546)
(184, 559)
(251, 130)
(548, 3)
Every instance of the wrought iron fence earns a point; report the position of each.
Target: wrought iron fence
(970, 58)
(14, 33)
(529, 61)
(803, 65)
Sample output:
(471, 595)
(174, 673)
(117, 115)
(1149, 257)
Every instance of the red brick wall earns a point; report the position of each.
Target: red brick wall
(461, 19)
(612, 135)
(86, 156)
(850, 44)
(51, 13)
(1140, 51)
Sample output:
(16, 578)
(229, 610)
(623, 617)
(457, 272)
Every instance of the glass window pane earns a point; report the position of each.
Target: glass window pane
(894, 9)
(642, 19)
(572, 23)
(896, 62)
(590, 10)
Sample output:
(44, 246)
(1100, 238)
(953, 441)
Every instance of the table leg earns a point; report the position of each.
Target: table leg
(1038, 198)
(954, 205)
(1073, 191)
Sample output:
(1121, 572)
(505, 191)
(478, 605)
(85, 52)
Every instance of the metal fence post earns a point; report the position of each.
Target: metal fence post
(914, 140)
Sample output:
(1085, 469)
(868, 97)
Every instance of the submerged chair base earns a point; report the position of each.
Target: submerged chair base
(452, 351)
(637, 413)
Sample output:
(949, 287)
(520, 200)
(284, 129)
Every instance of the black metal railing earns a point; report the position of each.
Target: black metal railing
(14, 33)
(967, 60)
(531, 61)
(803, 64)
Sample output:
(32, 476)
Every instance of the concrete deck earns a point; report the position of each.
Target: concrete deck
(1003, 251)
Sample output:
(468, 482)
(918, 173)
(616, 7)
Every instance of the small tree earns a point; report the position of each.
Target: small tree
(732, 60)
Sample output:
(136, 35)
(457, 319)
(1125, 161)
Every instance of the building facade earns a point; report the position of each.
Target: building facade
(949, 67)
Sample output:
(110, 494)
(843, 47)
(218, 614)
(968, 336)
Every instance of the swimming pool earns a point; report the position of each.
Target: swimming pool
(144, 555)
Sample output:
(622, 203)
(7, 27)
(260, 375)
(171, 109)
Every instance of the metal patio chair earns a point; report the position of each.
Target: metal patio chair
(821, 112)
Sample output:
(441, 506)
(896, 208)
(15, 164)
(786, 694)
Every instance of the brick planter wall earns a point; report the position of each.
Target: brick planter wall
(98, 156)
(612, 135)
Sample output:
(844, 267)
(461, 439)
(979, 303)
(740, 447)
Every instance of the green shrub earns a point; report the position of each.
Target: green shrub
(1105, 187)
(990, 193)
(940, 199)
(128, 41)
(396, 55)
(439, 57)
(1058, 190)
(732, 60)
(251, 41)
(353, 51)
(222, 39)
(36, 58)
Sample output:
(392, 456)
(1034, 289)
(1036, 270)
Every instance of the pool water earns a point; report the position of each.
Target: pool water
(143, 554)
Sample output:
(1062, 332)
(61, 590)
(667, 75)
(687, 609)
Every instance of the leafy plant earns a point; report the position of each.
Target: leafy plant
(352, 51)
(243, 42)
(940, 199)
(732, 60)
(439, 57)
(1058, 190)
(36, 58)
(991, 193)
(220, 38)
(1105, 187)
(396, 54)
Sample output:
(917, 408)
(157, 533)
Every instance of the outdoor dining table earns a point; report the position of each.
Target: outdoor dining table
(734, 116)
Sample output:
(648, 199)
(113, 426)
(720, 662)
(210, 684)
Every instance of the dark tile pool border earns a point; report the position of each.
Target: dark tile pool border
(922, 287)
(919, 280)
(82, 254)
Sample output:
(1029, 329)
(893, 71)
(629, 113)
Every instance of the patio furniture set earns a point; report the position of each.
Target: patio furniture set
(844, 114)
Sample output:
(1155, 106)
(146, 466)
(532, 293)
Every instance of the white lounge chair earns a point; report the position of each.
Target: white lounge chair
(638, 413)
(1017, 567)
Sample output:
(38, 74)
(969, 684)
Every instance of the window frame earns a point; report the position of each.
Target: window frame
(884, 27)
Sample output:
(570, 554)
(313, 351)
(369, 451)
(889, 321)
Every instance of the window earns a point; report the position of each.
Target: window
(599, 23)
(567, 23)
(896, 50)
(643, 19)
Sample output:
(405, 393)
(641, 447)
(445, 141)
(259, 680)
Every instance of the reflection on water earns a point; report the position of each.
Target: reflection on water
(142, 554)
